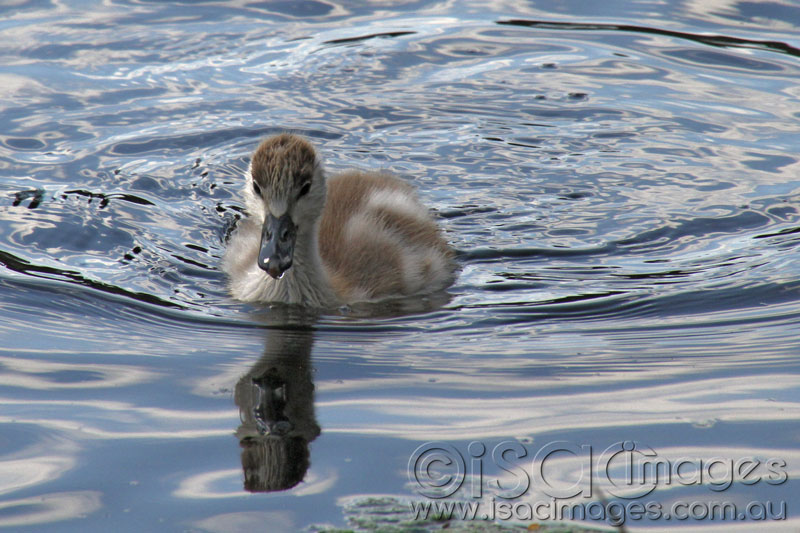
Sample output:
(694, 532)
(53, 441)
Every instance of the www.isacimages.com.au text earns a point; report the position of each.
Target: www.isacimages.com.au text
(613, 513)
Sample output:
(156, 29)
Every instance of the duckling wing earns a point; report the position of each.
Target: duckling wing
(377, 240)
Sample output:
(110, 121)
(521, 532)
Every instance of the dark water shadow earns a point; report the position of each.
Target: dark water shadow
(721, 41)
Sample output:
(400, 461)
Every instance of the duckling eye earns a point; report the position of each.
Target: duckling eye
(256, 188)
(304, 190)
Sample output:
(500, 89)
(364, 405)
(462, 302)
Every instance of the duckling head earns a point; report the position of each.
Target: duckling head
(286, 190)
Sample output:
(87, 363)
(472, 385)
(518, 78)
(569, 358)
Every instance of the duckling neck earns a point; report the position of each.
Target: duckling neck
(306, 281)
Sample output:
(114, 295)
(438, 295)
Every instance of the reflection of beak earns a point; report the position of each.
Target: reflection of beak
(277, 245)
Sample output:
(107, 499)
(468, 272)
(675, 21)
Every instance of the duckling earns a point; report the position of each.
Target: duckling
(354, 237)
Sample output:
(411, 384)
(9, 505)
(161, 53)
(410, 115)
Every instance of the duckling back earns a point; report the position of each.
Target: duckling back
(378, 241)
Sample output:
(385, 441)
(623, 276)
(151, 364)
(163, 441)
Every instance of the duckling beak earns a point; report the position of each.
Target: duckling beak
(277, 245)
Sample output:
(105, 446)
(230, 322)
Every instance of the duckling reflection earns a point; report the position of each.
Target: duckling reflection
(276, 406)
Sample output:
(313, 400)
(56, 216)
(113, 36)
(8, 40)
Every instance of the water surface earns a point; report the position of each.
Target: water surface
(621, 183)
